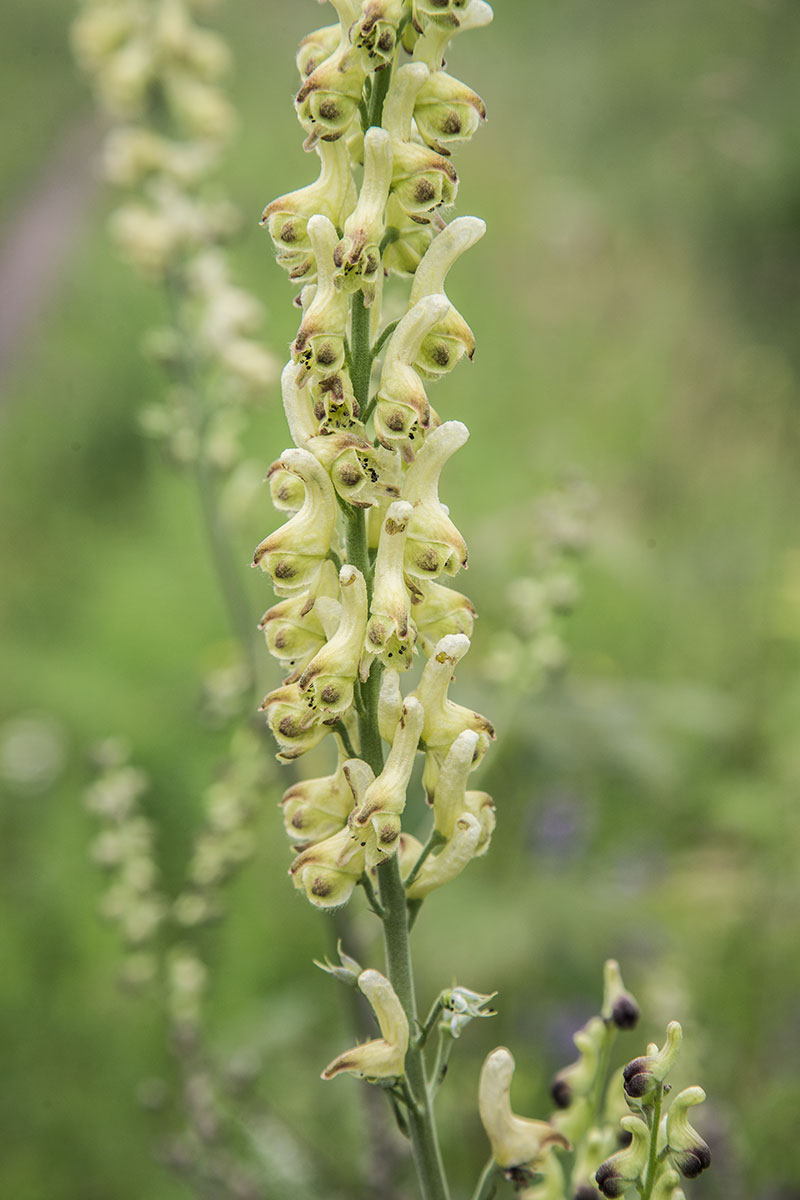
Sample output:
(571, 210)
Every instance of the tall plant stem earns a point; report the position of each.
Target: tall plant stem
(421, 1123)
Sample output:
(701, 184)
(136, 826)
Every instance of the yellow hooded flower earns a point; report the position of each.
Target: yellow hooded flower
(516, 1141)
(383, 1058)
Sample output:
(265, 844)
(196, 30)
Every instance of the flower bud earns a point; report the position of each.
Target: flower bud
(643, 1074)
(579, 1077)
(688, 1151)
(332, 195)
(402, 411)
(328, 100)
(516, 1141)
(619, 1006)
(447, 111)
(332, 672)
(328, 871)
(293, 723)
(383, 1058)
(375, 33)
(358, 254)
(461, 1005)
(390, 631)
(375, 821)
(295, 552)
(319, 345)
(434, 544)
(349, 970)
(360, 473)
(422, 180)
(444, 720)
(624, 1168)
(315, 809)
(450, 798)
(451, 338)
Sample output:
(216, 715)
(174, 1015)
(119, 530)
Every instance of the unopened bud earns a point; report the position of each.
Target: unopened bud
(688, 1151)
(619, 1006)
(624, 1168)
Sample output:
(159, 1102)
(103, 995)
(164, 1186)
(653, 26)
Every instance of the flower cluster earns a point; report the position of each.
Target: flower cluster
(361, 562)
(157, 73)
(616, 1128)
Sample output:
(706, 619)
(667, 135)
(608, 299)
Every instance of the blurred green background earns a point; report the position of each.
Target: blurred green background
(636, 302)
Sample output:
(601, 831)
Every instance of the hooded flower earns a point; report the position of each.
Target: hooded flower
(383, 1058)
(516, 1141)
(434, 545)
(688, 1151)
(390, 630)
(315, 809)
(445, 720)
(624, 1168)
(422, 180)
(328, 99)
(332, 195)
(318, 348)
(451, 338)
(329, 677)
(294, 554)
(375, 820)
(329, 870)
(451, 799)
(442, 867)
(439, 611)
(402, 412)
(358, 255)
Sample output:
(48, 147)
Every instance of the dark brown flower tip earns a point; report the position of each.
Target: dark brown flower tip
(625, 1013)
(609, 1181)
(693, 1162)
(561, 1092)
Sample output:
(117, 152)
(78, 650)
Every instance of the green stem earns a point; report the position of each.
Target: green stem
(487, 1184)
(420, 1119)
(424, 1139)
(380, 86)
(652, 1161)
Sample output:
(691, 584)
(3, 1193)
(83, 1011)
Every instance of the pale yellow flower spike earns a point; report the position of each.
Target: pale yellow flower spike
(516, 1141)
(383, 1058)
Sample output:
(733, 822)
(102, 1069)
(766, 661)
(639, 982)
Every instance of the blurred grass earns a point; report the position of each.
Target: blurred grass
(636, 302)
